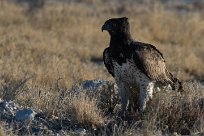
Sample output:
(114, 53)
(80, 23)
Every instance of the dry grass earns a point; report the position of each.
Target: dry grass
(2, 132)
(176, 112)
(44, 53)
(84, 110)
(5, 132)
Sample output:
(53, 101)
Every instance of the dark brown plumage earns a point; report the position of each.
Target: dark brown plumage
(146, 63)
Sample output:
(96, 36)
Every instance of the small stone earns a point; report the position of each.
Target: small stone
(81, 131)
(94, 84)
(24, 114)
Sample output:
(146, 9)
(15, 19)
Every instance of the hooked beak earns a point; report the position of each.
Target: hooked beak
(105, 27)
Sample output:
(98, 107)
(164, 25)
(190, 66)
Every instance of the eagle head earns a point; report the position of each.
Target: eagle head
(116, 25)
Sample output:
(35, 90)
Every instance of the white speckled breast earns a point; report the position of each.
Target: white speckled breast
(128, 72)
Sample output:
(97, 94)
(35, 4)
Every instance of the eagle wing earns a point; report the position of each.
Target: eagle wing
(107, 61)
(150, 60)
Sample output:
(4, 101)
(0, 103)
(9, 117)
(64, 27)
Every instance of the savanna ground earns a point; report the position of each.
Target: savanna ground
(45, 50)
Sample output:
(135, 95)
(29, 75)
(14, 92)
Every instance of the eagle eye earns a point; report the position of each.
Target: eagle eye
(114, 24)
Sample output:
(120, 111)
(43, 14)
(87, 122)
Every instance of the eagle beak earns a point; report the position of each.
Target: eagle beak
(105, 27)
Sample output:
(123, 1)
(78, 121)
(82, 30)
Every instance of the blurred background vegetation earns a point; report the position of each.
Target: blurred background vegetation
(52, 39)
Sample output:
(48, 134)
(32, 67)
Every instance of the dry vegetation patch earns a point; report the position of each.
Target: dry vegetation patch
(176, 112)
(84, 110)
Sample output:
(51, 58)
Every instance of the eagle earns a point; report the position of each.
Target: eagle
(134, 63)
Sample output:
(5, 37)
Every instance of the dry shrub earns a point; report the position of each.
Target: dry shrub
(11, 87)
(75, 104)
(47, 100)
(84, 110)
(176, 112)
(4, 131)
(169, 113)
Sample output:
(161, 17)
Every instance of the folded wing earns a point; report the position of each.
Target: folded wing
(151, 62)
(107, 61)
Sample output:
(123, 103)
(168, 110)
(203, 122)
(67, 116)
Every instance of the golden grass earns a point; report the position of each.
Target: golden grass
(170, 113)
(5, 132)
(178, 110)
(2, 132)
(55, 44)
(85, 111)
(59, 41)
(48, 54)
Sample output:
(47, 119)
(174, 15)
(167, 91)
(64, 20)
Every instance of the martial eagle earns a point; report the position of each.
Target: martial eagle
(134, 63)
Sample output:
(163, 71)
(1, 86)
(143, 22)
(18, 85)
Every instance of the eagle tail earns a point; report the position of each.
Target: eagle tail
(175, 83)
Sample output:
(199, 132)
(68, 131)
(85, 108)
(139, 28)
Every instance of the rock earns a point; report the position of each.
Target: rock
(94, 84)
(10, 106)
(25, 114)
(105, 91)
(80, 131)
(7, 110)
(27, 121)
(102, 88)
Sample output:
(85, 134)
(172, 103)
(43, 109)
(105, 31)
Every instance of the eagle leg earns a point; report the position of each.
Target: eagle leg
(124, 98)
(146, 92)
